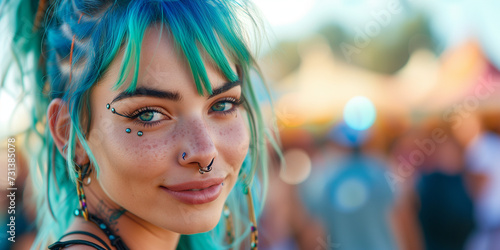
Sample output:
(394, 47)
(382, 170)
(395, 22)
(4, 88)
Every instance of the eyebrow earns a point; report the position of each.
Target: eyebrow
(174, 96)
(144, 91)
(224, 88)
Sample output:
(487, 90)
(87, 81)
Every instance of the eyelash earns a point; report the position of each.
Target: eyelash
(134, 115)
(236, 102)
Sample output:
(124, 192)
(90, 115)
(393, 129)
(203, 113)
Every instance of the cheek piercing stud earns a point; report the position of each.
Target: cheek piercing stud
(139, 133)
(128, 130)
(107, 106)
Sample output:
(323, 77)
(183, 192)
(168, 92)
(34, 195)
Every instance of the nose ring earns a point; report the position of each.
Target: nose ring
(184, 155)
(207, 168)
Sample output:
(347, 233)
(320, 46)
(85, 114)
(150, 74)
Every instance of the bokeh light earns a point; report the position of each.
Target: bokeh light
(297, 166)
(350, 195)
(359, 113)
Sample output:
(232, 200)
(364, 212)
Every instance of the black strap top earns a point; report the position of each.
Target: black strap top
(61, 244)
(115, 240)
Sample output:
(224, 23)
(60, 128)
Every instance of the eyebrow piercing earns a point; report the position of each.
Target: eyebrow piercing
(108, 106)
(127, 130)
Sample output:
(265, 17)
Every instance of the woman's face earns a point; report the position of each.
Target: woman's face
(147, 175)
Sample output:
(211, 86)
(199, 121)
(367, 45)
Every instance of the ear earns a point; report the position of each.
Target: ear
(59, 124)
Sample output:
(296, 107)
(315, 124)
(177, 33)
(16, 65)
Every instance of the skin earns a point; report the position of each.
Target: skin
(127, 194)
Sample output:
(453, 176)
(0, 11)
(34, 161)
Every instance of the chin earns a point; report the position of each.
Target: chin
(194, 219)
(199, 226)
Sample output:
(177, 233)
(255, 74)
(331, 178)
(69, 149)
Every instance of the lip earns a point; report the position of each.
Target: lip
(205, 191)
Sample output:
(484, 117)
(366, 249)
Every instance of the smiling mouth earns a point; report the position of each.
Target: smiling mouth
(193, 193)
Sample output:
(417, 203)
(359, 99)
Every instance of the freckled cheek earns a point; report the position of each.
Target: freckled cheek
(153, 151)
(134, 167)
(234, 142)
(127, 151)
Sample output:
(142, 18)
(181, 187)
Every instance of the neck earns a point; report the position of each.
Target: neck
(134, 231)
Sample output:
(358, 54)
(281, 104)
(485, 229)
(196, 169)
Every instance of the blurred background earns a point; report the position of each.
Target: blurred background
(389, 118)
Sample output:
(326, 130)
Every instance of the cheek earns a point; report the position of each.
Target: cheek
(125, 155)
(130, 166)
(233, 141)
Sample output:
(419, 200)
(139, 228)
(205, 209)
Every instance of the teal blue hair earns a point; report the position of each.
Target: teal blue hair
(102, 29)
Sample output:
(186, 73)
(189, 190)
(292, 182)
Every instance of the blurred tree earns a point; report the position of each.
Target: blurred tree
(386, 51)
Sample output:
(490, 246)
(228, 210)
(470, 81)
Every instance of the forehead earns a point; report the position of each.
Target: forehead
(162, 63)
(158, 47)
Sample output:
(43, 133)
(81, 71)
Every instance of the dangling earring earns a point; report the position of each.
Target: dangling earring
(229, 224)
(88, 181)
(81, 172)
(253, 227)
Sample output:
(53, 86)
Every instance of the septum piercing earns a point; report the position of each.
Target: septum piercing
(127, 130)
(201, 170)
(207, 168)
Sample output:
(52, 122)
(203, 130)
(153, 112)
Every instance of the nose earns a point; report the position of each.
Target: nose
(197, 146)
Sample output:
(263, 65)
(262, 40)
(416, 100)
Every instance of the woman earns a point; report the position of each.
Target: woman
(151, 122)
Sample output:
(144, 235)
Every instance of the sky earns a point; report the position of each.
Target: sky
(452, 21)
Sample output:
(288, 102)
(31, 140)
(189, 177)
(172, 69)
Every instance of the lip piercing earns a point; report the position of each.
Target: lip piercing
(184, 155)
(207, 168)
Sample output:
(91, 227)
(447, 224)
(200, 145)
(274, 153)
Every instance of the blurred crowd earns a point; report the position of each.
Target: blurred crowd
(400, 185)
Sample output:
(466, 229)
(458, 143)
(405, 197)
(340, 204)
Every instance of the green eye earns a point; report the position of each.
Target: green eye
(147, 116)
(222, 106)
